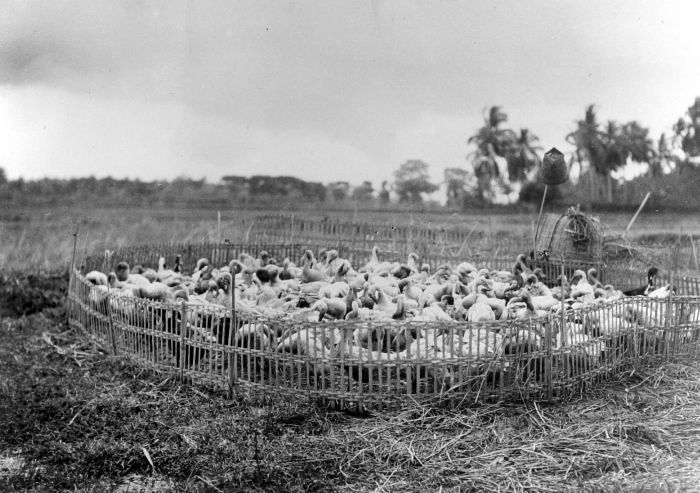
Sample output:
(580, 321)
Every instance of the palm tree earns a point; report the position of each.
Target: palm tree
(456, 182)
(591, 148)
(609, 149)
(662, 156)
(588, 139)
(491, 141)
(522, 156)
(688, 132)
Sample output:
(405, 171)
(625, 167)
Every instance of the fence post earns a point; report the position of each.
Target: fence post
(71, 278)
(183, 328)
(111, 323)
(564, 329)
(548, 357)
(667, 321)
(233, 355)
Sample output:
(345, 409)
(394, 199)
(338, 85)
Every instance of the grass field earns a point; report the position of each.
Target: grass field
(42, 239)
(74, 417)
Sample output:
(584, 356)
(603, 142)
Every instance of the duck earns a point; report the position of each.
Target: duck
(163, 272)
(480, 310)
(309, 273)
(333, 308)
(592, 275)
(580, 287)
(644, 290)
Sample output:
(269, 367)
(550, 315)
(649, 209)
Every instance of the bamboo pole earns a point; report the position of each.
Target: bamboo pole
(183, 329)
(563, 317)
(534, 240)
(111, 323)
(71, 278)
(641, 206)
(75, 246)
(233, 359)
(694, 252)
(667, 322)
(539, 217)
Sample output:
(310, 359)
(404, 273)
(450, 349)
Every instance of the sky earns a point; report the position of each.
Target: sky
(323, 90)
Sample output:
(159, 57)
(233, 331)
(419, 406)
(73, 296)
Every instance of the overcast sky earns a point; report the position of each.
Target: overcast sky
(323, 90)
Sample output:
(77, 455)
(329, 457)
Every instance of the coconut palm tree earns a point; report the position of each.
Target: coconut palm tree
(589, 141)
(522, 156)
(455, 180)
(662, 157)
(607, 150)
(687, 133)
(591, 147)
(491, 141)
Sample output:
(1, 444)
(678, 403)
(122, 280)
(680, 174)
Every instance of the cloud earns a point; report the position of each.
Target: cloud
(311, 88)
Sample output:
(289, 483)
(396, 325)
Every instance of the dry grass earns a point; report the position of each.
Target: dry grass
(74, 417)
(41, 239)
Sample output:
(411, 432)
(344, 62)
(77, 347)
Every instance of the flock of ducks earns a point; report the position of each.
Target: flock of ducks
(387, 307)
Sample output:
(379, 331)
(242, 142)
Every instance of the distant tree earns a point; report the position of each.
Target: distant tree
(3, 177)
(411, 181)
(522, 156)
(687, 130)
(265, 187)
(339, 190)
(588, 142)
(604, 151)
(363, 192)
(662, 159)
(238, 185)
(313, 191)
(491, 141)
(456, 182)
(384, 195)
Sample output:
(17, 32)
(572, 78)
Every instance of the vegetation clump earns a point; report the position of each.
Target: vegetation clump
(26, 294)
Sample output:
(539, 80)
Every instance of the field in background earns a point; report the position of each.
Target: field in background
(42, 238)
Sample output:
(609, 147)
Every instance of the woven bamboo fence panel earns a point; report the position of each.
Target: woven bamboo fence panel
(449, 244)
(349, 363)
(402, 239)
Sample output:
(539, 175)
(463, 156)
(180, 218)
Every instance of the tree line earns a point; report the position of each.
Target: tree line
(501, 160)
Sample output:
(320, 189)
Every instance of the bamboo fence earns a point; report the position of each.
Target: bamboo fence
(455, 240)
(351, 364)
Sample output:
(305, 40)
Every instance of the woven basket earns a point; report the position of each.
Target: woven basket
(553, 170)
(571, 236)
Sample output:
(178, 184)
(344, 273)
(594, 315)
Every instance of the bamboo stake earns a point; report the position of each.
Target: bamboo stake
(563, 318)
(183, 328)
(637, 213)
(537, 231)
(667, 322)
(72, 268)
(534, 240)
(75, 246)
(218, 226)
(233, 359)
(111, 323)
(694, 252)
